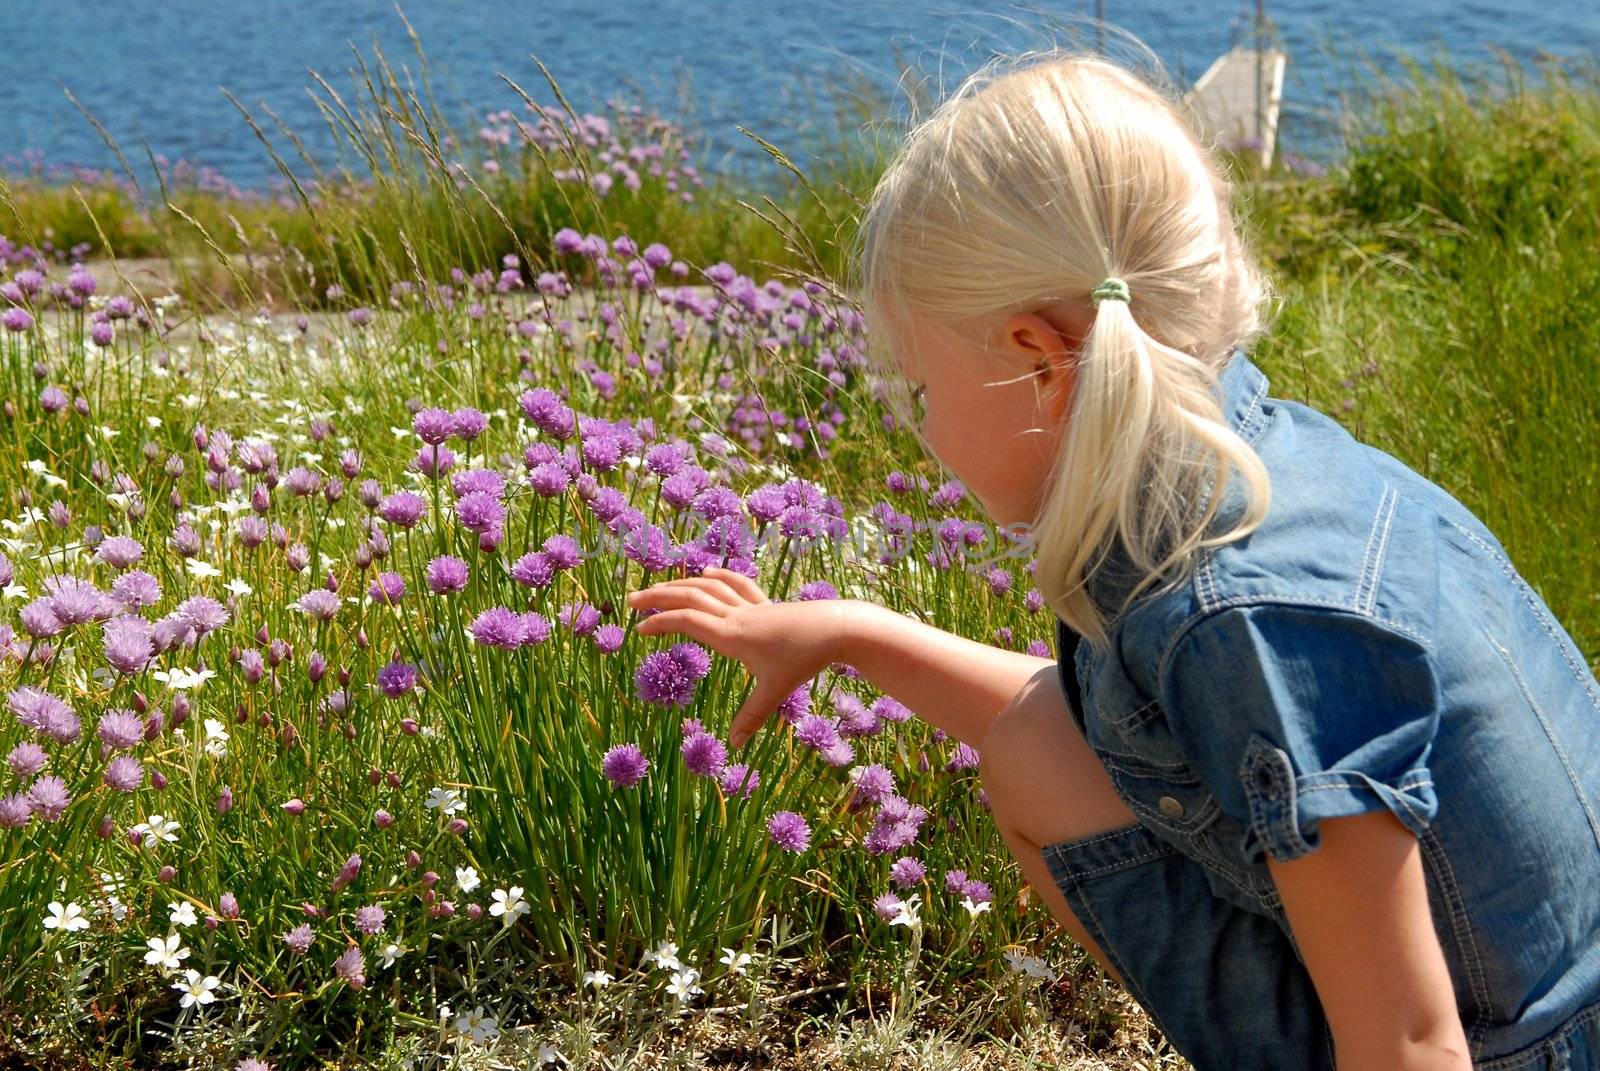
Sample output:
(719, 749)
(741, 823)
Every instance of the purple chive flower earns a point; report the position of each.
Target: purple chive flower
(704, 755)
(666, 459)
(228, 905)
(299, 938)
(14, 811)
(75, 601)
(39, 618)
(387, 588)
(547, 412)
(608, 638)
(624, 765)
(319, 603)
(789, 831)
(955, 881)
(480, 512)
(136, 590)
(129, 643)
(447, 575)
(795, 705)
(873, 783)
(816, 732)
(581, 618)
(433, 426)
(396, 679)
(549, 479)
(15, 319)
(203, 613)
(887, 906)
(369, 919)
(49, 798)
(124, 774)
(839, 754)
(737, 779)
(403, 508)
(498, 627)
(668, 677)
(433, 461)
(891, 709)
(535, 628)
(27, 759)
(478, 481)
(120, 729)
(978, 891)
(563, 552)
(817, 589)
(964, 757)
(119, 552)
(534, 570)
(906, 871)
(469, 423)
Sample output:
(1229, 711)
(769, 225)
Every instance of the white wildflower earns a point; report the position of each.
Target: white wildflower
(447, 800)
(682, 985)
(196, 989)
(67, 917)
(166, 951)
(467, 878)
(736, 962)
(509, 903)
(156, 827)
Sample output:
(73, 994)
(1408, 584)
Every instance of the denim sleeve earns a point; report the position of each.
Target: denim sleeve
(1292, 714)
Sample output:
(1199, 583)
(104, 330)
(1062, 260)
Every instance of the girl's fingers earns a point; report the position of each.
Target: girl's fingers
(678, 598)
(716, 588)
(696, 624)
(738, 582)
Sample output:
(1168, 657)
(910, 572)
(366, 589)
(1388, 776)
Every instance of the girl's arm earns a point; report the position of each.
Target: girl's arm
(1358, 906)
(957, 684)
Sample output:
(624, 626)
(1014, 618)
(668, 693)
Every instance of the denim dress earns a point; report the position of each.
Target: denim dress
(1369, 647)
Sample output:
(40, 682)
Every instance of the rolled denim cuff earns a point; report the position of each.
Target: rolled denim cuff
(1285, 808)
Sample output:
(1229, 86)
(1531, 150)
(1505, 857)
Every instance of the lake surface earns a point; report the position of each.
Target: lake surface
(152, 71)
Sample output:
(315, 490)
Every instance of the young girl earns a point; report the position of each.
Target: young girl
(1323, 781)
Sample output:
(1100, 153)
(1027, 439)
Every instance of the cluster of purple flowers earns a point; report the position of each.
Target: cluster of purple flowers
(668, 677)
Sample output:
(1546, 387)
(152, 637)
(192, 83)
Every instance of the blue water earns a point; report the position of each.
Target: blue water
(152, 71)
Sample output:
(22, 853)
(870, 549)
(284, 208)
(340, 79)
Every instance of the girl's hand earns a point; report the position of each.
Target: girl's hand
(782, 644)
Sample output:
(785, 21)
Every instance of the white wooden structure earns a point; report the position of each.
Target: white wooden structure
(1237, 99)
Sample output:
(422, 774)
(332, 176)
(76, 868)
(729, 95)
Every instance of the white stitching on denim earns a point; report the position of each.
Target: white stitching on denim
(1122, 723)
(1105, 945)
(1123, 864)
(1534, 1053)
(1062, 845)
(1283, 600)
(1250, 429)
(1527, 596)
(1372, 561)
(1572, 777)
(1461, 925)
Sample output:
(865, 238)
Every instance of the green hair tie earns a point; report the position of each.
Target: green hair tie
(1112, 288)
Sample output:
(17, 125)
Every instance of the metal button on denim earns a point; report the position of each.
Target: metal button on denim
(1170, 807)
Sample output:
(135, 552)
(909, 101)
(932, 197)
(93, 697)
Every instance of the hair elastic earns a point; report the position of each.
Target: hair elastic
(1112, 287)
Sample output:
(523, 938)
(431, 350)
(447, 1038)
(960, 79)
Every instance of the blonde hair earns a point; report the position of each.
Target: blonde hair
(1041, 175)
